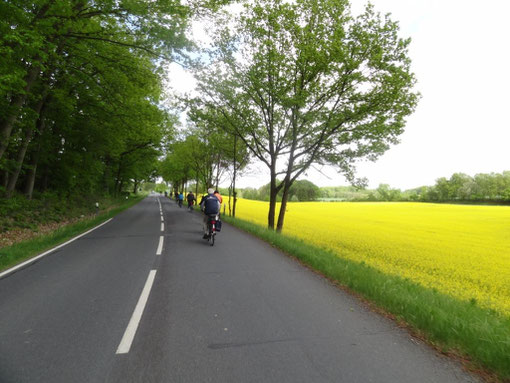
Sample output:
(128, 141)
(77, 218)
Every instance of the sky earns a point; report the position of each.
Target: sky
(461, 58)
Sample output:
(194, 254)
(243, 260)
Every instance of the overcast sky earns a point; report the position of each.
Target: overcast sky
(461, 57)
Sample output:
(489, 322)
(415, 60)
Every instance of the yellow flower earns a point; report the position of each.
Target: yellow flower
(460, 250)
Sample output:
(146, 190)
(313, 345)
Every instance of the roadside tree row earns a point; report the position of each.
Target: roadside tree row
(306, 82)
(80, 91)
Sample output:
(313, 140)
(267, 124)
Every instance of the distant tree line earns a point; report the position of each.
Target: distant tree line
(460, 187)
(301, 190)
(483, 187)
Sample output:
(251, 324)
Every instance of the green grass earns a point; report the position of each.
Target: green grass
(462, 328)
(19, 252)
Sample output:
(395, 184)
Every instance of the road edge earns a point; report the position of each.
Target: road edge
(28, 262)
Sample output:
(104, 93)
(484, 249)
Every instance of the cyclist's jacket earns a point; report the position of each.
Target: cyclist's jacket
(211, 204)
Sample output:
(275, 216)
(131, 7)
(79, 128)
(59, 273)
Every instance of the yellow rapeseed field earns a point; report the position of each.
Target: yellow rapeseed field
(461, 250)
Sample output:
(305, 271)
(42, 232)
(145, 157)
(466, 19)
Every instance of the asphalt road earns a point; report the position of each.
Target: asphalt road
(240, 311)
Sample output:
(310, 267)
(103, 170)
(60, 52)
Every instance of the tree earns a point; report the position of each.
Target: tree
(386, 193)
(231, 153)
(304, 190)
(310, 84)
(39, 36)
(80, 90)
(460, 186)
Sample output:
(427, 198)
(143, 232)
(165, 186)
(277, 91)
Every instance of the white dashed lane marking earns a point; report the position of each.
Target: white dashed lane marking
(129, 334)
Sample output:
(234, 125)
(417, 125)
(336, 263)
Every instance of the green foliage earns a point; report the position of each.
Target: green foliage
(161, 188)
(343, 193)
(302, 190)
(492, 187)
(18, 212)
(148, 186)
(306, 82)
(385, 193)
(80, 91)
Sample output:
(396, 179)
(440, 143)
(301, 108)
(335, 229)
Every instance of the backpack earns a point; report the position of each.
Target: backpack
(211, 205)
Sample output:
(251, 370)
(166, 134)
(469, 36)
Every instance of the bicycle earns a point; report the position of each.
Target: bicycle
(211, 228)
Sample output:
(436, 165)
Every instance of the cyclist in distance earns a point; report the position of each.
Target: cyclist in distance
(181, 199)
(210, 205)
(190, 198)
(218, 195)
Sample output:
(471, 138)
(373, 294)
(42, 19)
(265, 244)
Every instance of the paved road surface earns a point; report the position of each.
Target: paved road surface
(237, 312)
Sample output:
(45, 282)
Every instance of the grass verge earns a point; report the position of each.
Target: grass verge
(17, 253)
(452, 326)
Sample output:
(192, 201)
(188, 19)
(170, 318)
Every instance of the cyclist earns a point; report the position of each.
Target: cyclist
(218, 195)
(210, 205)
(190, 198)
(181, 198)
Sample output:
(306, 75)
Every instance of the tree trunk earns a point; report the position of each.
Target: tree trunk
(218, 174)
(234, 179)
(287, 182)
(17, 101)
(30, 179)
(283, 206)
(39, 124)
(235, 204)
(32, 169)
(136, 187)
(273, 192)
(196, 189)
(13, 180)
(230, 201)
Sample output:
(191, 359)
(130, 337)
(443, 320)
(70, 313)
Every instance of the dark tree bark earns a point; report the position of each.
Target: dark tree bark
(13, 179)
(39, 125)
(17, 101)
(230, 200)
(283, 206)
(287, 182)
(234, 193)
(273, 192)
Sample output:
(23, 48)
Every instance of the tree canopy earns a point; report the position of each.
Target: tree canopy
(81, 93)
(306, 82)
